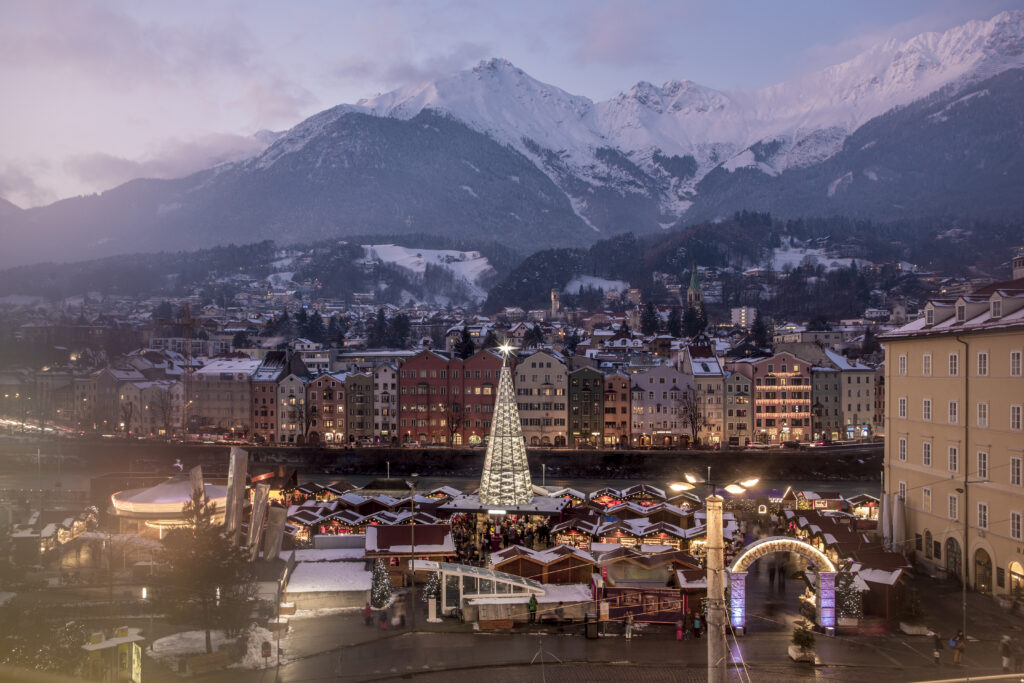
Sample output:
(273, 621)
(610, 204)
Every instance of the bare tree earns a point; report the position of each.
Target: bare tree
(690, 413)
(162, 406)
(127, 413)
(453, 420)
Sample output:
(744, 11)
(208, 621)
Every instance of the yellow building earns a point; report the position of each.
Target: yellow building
(954, 448)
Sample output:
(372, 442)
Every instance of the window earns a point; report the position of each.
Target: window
(1015, 470)
(982, 515)
(954, 506)
(926, 409)
(982, 364)
(926, 365)
(1015, 525)
(903, 450)
(903, 490)
(926, 454)
(902, 406)
(961, 313)
(954, 412)
(983, 415)
(954, 364)
(929, 316)
(996, 308)
(954, 458)
(1015, 363)
(903, 365)
(1015, 417)
(926, 500)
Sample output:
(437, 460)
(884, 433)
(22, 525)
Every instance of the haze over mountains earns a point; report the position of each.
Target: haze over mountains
(931, 126)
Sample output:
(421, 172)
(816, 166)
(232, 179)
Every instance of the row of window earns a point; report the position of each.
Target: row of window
(953, 412)
(953, 366)
(953, 510)
(953, 460)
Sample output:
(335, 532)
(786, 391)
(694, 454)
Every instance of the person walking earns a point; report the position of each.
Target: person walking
(937, 648)
(782, 574)
(958, 648)
(1006, 653)
(771, 575)
(696, 626)
(532, 606)
(368, 615)
(679, 629)
(629, 625)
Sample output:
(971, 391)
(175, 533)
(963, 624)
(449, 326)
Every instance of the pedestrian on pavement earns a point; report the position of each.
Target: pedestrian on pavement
(368, 615)
(1005, 652)
(560, 616)
(532, 606)
(679, 629)
(696, 626)
(687, 625)
(937, 648)
(771, 575)
(958, 648)
(782, 575)
(629, 625)
(383, 620)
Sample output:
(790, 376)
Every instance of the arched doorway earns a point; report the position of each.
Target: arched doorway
(982, 571)
(954, 561)
(1016, 579)
(826, 599)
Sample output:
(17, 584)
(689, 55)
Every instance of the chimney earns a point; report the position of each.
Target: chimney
(1018, 266)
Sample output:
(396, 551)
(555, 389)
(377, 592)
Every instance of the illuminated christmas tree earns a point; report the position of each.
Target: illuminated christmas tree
(380, 588)
(506, 476)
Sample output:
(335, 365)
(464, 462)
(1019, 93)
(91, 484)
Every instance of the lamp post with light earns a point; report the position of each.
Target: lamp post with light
(715, 565)
(412, 546)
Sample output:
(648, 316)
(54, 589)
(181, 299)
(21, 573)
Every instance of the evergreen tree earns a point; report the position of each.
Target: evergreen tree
(301, 322)
(491, 340)
(870, 343)
(691, 322)
(702, 318)
(649, 320)
(163, 311)
(399, 328)
(675, 323)
(464, 348)
(205, 579)
(534, 337)
(380, 587)
(759, 332)
(625, 329)
(432, 590)
(378, 333)
(572, 342)
(336, 329)
(240, 341)
(314, 328)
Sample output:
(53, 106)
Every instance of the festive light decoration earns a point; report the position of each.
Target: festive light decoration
(380, 588)
(506, 476)
(826, 596)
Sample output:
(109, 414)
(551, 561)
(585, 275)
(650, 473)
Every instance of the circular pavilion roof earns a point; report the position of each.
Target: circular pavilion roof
(165, 500)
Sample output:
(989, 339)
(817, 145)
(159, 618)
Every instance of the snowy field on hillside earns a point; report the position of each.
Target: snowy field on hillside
(574, 285)
(468, 266)
(794, 257)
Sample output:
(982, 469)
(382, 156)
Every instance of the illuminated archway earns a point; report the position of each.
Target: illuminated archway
(826, 600)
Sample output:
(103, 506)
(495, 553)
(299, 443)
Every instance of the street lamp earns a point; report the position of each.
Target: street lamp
(412, 546)
(715, 565)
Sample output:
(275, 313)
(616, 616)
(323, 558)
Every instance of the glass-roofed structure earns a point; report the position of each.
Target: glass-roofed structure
(461, 582)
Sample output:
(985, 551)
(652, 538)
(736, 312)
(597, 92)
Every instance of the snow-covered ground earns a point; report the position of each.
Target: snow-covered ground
(329, 577)
(169, 649)
(468, 266)
(574, 285)
(794, 258)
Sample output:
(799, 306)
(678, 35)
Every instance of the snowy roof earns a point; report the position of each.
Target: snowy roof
(395, 540)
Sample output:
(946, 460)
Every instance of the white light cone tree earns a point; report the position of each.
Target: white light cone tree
(506, 476)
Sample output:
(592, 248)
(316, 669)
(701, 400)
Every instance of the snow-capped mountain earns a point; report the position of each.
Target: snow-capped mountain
(929, 125)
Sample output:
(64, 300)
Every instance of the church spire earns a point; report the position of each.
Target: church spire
(506, 477)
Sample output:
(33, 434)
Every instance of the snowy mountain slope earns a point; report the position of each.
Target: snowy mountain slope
(796, 124)
(471, 267)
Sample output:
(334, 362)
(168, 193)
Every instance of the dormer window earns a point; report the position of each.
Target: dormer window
(929, 316)
(996, 308)
(961, 313)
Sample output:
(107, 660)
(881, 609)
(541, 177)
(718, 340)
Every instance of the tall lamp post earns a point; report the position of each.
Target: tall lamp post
(715, 565)
(412, 546)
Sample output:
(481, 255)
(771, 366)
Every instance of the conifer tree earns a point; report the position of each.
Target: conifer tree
(675, 323)
(649, 320)
(464, 348)
(380, 588)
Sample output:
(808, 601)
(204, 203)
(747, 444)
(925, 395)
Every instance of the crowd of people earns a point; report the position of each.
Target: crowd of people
(475, 542)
